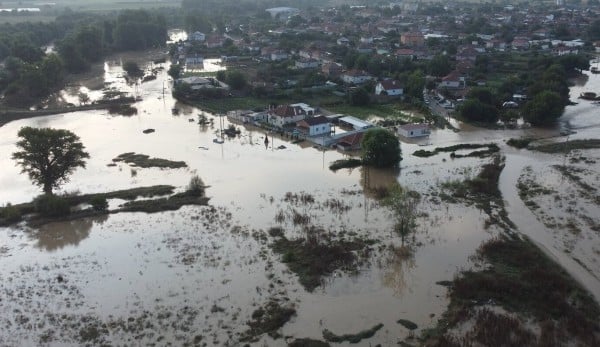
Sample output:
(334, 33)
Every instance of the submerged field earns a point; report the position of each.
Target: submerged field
(287, 251)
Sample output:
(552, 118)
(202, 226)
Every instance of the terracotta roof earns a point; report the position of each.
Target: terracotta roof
(313, 121)
(351, 140)
(410, 127)
(452, 76)
(390, 84)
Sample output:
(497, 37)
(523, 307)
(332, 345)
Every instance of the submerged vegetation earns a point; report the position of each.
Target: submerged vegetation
(568, 146)
(352, 338)
(47, 208)
(317, 255)
(267, 320)
(483, 192)
(144, 161)
(345, 164)
(519, 143)
(523, 280)
(491, 149)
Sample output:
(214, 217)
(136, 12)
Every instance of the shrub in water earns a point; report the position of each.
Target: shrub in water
(196, 186)
(49, 205)
(99, 203)
(11, 213)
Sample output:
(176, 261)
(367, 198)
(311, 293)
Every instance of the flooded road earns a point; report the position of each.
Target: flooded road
(198, 274)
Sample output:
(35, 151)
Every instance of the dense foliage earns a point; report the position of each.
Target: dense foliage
(80, 39)
(49, 155)
(544, 109)
(381, 148)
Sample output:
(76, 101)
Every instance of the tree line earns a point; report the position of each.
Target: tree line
(79, 40)
(546, 86)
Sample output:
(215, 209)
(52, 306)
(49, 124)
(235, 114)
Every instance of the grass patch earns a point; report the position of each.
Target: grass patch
(308, 343)
(571, 173)
(407, 324)
(345, 164)
(523, 280)
(352, 338)
(491, 149)
(122, 109)
(364, 112)
(483, 192)
(317, 256)
(174, 202)
(519, 143)
(144, 161)
(171, 203)
(568, 146)
(268, 319)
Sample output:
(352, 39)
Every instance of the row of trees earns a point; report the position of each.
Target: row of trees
(30, 74)
(546, 86)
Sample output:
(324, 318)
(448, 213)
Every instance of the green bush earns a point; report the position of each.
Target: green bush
(99, 203)
(11, 213)
(345, 163)
(49, 205)
(196, 186)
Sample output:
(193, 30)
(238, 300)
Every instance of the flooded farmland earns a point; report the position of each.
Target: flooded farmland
(198, 275)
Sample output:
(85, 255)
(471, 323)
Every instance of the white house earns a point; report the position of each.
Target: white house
(282, 12)
(194, 60)
(342, 41)
(197, 36)
(314, 126)
(307, 64)
(389, 87)
(247, 116)
(356, 77)
(306, 109)
(452, 80)
(196, 82)
(278, 55)
(354, 123)
(285, 114)
(414, 130)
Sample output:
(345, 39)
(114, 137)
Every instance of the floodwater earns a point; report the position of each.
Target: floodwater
(198, 273)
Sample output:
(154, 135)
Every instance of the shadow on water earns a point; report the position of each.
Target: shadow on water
(55, 236)
(376, 182)
(397, 266)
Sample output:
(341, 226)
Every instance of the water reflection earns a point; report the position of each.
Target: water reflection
(375, 182)
(54, 236)
(398, 264)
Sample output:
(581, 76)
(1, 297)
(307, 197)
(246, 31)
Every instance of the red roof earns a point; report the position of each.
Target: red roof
(313, 121)
(452, 76)
(390, 84)
(351, 140)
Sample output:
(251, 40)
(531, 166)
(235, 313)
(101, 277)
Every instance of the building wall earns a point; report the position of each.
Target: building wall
(319, 129)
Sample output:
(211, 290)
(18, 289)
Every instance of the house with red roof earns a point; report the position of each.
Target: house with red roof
(414, 130)
(350, 142)
(389, 88)
(453, 80)
(314, 126)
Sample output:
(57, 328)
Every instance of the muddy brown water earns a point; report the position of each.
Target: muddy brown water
(164, 273)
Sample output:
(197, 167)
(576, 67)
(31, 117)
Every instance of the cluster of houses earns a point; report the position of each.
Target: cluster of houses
(341, 131)
(400, 30)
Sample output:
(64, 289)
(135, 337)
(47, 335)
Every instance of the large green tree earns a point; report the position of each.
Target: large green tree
(381, 148)
(49, 155)
(476, 111)
(544, 109)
